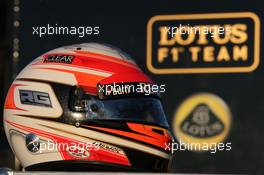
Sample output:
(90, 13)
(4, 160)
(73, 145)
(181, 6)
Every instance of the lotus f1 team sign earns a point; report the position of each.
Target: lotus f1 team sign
(203, 43)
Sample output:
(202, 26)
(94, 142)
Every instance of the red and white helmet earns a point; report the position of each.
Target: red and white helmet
(65, 112)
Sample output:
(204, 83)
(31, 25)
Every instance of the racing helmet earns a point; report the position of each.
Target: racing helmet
(78, 108)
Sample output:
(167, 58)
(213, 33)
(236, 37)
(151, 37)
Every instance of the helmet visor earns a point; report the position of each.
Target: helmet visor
(136, 109)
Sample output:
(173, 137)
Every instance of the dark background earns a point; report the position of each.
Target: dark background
(123, 24)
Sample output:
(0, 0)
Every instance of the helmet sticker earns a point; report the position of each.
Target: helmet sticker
(68, 59)
(35, 98)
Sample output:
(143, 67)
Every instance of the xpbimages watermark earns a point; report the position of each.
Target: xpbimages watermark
(200, 30)
(130, 88)
(79, 31)
(36, 146)
(192, 146)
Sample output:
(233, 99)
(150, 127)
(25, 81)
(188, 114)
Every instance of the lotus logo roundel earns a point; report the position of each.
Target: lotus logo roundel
(202, 118)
